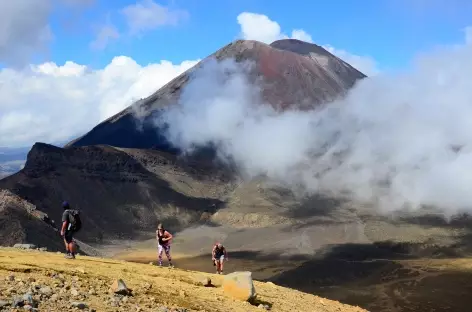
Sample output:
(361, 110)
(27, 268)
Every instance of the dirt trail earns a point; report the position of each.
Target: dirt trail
(153, 287)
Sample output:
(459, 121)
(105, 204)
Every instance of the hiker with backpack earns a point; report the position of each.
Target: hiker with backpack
(164, 238)
(218, 255)
(71, 224)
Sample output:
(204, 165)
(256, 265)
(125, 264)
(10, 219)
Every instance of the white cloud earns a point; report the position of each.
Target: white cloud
(261, 28)
(364, 64)
(395, 141)
(468, 35)
(51, 103)
(24, 30)
(148, 15)
(105, 35)
(139, 18)
(302, 35)
(68, 69)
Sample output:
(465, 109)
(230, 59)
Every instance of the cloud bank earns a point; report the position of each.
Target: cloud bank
(397, 141)
(51, 103)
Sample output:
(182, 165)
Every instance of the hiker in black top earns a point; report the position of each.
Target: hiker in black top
(218, 256)
(67, 233)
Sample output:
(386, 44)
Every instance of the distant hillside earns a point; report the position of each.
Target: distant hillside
(120, 192)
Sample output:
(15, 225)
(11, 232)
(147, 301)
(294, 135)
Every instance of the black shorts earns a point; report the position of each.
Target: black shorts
(69, 236)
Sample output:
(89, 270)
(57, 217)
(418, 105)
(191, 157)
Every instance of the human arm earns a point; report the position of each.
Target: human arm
(65, 222)
(63, 228)
(225, 254)
(213, 253)
(168, 237)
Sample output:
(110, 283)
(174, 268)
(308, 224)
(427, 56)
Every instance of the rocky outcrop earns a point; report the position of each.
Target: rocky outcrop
(21, 223)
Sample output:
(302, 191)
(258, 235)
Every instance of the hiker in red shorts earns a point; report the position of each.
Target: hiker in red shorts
(218, 255)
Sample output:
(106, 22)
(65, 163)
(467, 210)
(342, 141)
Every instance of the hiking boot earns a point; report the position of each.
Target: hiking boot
(69, 256)
(171, 265)
(160, 264)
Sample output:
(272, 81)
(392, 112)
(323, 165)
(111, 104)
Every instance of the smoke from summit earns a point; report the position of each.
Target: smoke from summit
(396, 140)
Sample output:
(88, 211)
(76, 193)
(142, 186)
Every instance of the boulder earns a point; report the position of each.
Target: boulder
(204, 281)
(47, 291)
(25, 300)
(119, 287)
(24, 246)
(79, 305)
(239, 285)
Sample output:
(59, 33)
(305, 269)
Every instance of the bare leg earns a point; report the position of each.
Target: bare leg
(72, 248)
(67, 246)
(169, 258)
(221, 266)
(159, 251)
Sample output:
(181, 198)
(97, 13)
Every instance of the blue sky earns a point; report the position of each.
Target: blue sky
(63, 78)
(390, 31)
(83, 83)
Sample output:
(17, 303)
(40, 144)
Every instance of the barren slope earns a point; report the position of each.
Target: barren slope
(121, 193)
(153, 287)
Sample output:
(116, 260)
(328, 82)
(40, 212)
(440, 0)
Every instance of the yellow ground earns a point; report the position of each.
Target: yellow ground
(152, 286)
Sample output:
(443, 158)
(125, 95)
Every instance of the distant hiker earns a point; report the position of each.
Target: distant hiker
(218, 255)
(71, 223)
(164, 238)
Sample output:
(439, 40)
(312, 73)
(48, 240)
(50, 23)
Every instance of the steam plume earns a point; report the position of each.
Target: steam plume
(396, 140)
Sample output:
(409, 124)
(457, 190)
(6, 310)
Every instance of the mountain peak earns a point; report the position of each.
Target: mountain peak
(290, 73)
(300, 47)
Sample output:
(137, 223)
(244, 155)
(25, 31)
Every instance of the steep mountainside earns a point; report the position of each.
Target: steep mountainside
(120, 192)
(290, 72)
